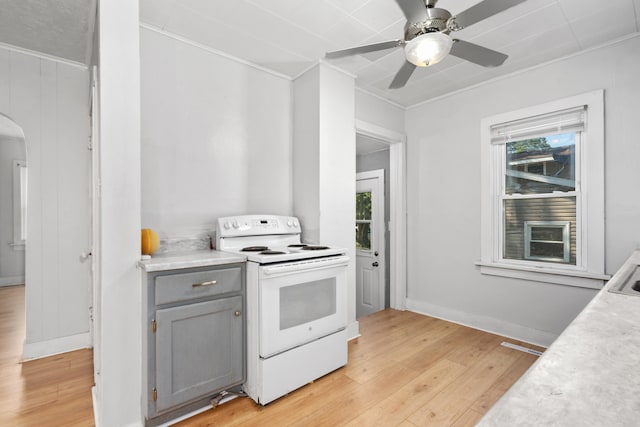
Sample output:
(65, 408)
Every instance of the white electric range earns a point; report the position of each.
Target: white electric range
(296, 303)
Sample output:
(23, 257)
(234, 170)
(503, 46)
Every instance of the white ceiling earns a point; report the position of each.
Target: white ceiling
(289, 36)
(61, 28)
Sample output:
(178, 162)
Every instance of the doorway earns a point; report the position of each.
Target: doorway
(372, 284)
(395, 146)
(13, 200)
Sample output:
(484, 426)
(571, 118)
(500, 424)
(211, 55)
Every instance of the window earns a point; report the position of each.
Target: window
(363, 221)
(539, 180)
(547, 240)
(539, 222)
(19, 203)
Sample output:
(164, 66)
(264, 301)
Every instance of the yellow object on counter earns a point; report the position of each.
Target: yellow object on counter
(150, 241)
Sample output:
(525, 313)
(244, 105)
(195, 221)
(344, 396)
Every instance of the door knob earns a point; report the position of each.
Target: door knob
(375, 264)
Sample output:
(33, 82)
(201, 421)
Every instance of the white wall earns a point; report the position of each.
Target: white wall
(444, 193)
(380, 112)
(117, 393)
(338, 172)
(11, 258)
(49, 100)
(216, 138)
(306, 154)
(324, 170)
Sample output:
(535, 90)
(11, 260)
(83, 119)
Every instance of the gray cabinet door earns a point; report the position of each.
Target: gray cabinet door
(199, 350)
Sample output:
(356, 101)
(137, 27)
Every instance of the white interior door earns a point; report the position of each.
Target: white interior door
(370, 284)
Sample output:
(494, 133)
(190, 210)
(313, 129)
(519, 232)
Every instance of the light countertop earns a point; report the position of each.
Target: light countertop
(174, 261)
(590, 376)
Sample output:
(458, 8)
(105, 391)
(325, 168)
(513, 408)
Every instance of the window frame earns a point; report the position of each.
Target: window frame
(566, 239)
(589, 269)
(367, 251)
(364, 221)
(501, 169)
(19, 204)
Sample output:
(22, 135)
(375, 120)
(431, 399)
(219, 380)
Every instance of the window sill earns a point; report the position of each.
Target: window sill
(580, 279)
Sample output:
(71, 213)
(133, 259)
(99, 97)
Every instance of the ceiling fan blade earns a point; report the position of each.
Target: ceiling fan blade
(477, 54)
(483, 10)
(363, 49)
(414, 10)
(402, 77)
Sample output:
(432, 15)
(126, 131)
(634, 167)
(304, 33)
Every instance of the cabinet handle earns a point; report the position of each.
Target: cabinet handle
(199, 285)
(237, 313)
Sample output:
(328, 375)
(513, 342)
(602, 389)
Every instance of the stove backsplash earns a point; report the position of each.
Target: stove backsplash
(198, 242)
(310, 236)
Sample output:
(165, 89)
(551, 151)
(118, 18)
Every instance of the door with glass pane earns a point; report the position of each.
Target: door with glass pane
(369, 224)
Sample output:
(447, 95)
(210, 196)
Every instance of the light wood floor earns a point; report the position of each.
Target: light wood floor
(405, 370)
(54, 391)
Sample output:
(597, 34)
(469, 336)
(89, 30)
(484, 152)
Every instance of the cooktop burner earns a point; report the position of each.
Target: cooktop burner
(255, 249)
(272, 252)
(301, 245)
(314, 248)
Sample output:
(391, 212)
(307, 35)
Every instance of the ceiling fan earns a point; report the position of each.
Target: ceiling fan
(427, 37)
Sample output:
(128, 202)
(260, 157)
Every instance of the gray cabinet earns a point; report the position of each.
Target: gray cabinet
(196, 338)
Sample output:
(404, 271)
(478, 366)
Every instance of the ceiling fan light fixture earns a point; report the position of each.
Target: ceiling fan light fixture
(428, 49)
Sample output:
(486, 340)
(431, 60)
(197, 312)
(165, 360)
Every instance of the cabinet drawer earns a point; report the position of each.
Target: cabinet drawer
(187, 286)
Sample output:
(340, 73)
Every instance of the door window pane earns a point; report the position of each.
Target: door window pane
(363, 205)
(363, 235)
(363, 220)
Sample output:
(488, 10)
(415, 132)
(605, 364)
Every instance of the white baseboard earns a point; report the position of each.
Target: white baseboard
(11, 281)
(96, 407)
(37, 350)
(96, 411)
(484, 323)
(353, 330)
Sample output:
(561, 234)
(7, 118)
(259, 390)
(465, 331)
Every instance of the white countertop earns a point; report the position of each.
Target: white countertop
(174, 261)
(590, 376)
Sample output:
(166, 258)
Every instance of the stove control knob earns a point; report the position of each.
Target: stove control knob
(295, 224)
(290, 223)
(235, 224)
(227, 225)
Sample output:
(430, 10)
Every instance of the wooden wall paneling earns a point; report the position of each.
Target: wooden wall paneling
(54, 304)
(24, 81)
(73, 192)
(4, 83)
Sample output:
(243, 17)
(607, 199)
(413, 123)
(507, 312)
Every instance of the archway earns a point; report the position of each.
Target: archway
(13, 187)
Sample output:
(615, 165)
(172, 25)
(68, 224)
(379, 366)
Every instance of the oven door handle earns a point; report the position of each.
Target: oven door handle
(311, 264)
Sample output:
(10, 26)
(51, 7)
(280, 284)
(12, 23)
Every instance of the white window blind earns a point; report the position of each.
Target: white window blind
(565, 121)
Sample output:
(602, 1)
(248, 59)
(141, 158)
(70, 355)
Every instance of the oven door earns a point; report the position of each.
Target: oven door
(301, 302)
